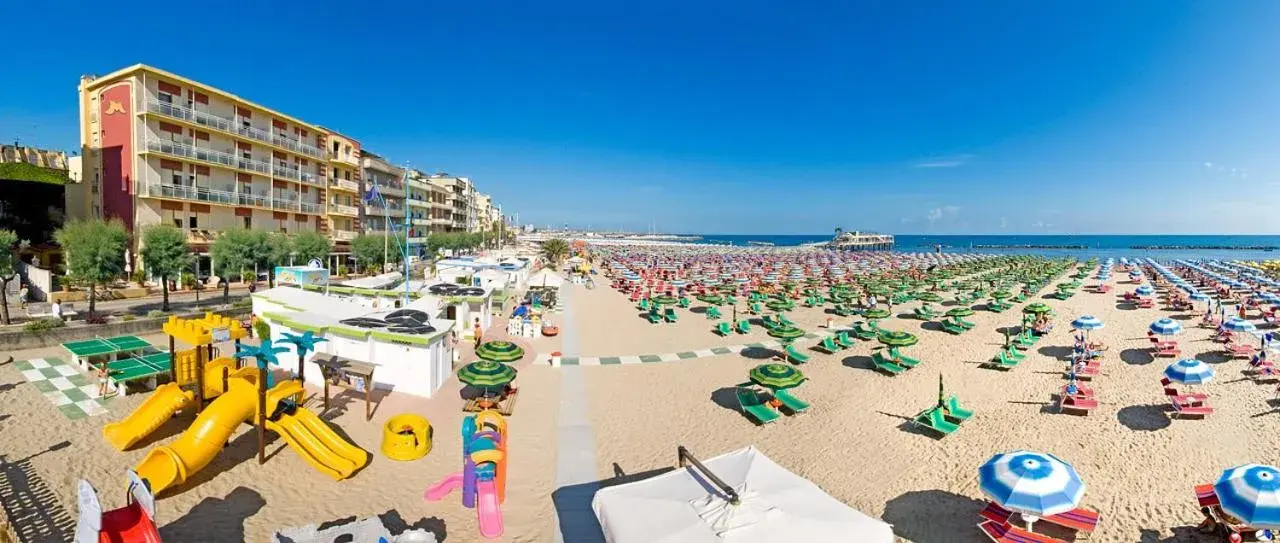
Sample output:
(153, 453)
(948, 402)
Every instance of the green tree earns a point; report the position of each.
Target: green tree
(9, 246)
(309, 245)
(276, 248)
(232, 252)
(165, 254)
(94, 251)
(367, 250)
(554, 250)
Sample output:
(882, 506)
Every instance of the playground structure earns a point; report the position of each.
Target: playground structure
(234, 395)
(133, 523)
(406, 437)
(483, 480)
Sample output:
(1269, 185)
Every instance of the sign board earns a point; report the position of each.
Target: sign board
(220, 334)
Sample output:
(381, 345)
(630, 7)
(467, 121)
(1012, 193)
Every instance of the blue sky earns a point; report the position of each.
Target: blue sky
(999, 116)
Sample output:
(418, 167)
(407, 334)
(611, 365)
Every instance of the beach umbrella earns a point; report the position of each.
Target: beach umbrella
(1166, 327)
(929, 297)
(786, 333)
(877, 313)
(486, 374)
(500, 351)
(1001, 294)
(1189, 371)
(1034, 484)
(897, 339)
(1087, 322)
(1145, 290)
(776, 376)
(1237, 324)
(1037, 308)
(664, 300)
(959, 312)
(1251, 493)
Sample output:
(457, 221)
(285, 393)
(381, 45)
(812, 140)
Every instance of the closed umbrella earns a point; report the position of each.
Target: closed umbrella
(1034, 484)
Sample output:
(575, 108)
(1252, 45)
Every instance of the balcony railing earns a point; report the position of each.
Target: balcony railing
(296, 146)
(284, 204)
(286, 172)
(190, 115)
(232, 126)
(345, 235)
(308, 207)
(345, 184)
(185, 148)
(201, 194)
(343, 209)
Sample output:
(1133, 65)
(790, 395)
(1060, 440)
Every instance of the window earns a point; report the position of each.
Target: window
(248, 222)
(335, 147)
(193, 222)
(166, 98)
(175, 177)
(172, 217)
(246, 154)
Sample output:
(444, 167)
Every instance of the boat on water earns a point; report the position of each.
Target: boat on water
(760, 243)
(861, 241)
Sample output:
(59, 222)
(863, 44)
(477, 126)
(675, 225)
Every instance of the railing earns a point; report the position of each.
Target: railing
(344, 235)
(252, 132)
(185, 148)
(296, 146)
(286, 172)
(343, 209)
(284, 204)
(345, 184)
(311, 179)
(201, 194)
(232, 126)
(420, 221)
(308, 207)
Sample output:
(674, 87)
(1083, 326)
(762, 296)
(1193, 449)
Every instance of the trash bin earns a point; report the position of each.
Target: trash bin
(555, 359)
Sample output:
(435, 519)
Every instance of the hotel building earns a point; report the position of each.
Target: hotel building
(162, 148)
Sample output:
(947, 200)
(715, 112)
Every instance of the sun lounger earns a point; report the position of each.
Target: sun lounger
(723, 328)
(1237, 350)
(768, 322)
(955, 412)
(754, 407)
(744, 327)
(1079, 519)
(794, 355)
(1007, 533)
(785, 321)
(1146, 303)
(713, 312)
(995, 513)
(843, 310)
(1168, 351)
(755, 308)
(684, 302)
(924, 314)
(1078, 403)
(670, 315)
(902, 359)
(934, 419)
(828, 345)
(1181, 411)
(879, 357)
(1014, 353)
(791, 403)
(1190, 400)
(1001, 361)
(966, 324)
(644, 304)
(886, 365)
(862, 332)
(843, 340)
(953, 328)
(654, 317)
(730, 300)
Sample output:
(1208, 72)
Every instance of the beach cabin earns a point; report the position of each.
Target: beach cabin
(462, 305)
(408, 346)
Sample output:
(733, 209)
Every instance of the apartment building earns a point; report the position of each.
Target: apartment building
(162, 148)
(459, 202)
(389, 178)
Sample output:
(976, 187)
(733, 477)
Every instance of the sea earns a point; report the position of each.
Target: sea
(1189, 247)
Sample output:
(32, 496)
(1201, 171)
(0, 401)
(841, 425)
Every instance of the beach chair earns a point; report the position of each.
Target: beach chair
(996, 307)
(791, 403)
(828, 345)
(644, 304)
(902, 359)
(1146, 303)
(966, 324)
(654, 316)
(1001, 361)
(924, 313)
(1167, 351)
(730, 300)
(755, 408)
(744, 326)
(953, 328)
(684, 303)
(1184, 411)
(1014, 354)
(843, 310)
(768, 322)
(879, 358)
(670, 314)
(782, 319)
(886, 365)
(794, 355)
(723, 328)
(755, 308)
(1077, 404)
(1193, 399)
(1079, 519)
(954, 411)
(1008, 533)
(861, 331)
(713, 312)
(934, 419)
(843, 340)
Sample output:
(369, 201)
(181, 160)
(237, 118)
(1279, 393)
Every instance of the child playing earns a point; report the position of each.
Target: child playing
(102, 380)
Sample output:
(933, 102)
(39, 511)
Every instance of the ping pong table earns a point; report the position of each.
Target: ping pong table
(137, 368)
(109, 348)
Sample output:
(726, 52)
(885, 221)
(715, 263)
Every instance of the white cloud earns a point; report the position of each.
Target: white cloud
(1041, 225)
(949, 161)
(951, 210)
(933, 215)
(1004, 223)
(1208, 164)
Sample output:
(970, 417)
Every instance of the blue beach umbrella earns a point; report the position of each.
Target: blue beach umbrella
(1166, 327)
(1237, 324)
(1086, 323)
(1031, 483)
(1145, 290)
(1189, 371)
(1251, 493)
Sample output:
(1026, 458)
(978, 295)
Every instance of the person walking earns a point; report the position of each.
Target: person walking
(476, 330)
(22, 297)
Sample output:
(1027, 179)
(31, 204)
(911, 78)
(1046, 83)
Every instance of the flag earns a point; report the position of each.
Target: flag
(372, 195)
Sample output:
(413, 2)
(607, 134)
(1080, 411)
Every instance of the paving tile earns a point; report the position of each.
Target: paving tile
(607, 360)
(72, 411)
(650, 358)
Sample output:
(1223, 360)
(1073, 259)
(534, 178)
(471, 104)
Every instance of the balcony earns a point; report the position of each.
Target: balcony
(420, 221)
(418, 240)
(186, 148)
(284, 204)
(313, 208)
(391, 190)
(297, 146)
(201, 194)
(344, 184)
(341, 209)
(231, 126)
(344, 235)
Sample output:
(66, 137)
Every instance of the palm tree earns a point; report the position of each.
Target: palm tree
(264, 354)
(554, 250)
(303, 343)
(839, 231)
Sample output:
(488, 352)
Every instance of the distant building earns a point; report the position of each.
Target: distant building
(33, 199)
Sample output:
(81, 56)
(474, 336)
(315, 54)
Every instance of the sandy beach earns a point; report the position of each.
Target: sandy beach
(1140, 467)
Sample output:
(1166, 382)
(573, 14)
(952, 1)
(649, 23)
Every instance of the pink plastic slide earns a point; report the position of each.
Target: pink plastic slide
(488, 512)
(441, 489)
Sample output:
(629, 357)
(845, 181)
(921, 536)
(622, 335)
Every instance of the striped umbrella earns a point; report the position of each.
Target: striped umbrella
(1237, 324)
(1087, 322)
(1037, 308)
(1166, 327)
(1251, 493)
(776, 376)
(959, 312)
(876, 313)
(1189, 371)
(786, 333)
(1034, 484)
(897, 339)
(486, 374)
(500, 351)
(1145, 290)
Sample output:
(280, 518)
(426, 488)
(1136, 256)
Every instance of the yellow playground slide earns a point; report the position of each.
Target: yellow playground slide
(319, 444)
(154, 412)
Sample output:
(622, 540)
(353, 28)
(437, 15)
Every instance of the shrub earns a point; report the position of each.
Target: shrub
(128, 318)
(248, 277)
(261, 329)
(139, 277)
(187, 280)
(342, 270)
(43, 324)
(154, 313)
(95, 318)
(242, 303)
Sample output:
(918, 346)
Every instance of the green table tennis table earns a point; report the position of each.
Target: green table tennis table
(137, 368)
(109, 348)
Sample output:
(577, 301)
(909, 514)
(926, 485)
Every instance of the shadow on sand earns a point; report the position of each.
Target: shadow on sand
(1145, 418)
(1137, 357)
(949, 515)
(225, 516)
(35, 513)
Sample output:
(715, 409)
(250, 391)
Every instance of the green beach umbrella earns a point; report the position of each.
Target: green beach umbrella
(898, 339)
(1037, 309)
(1001, 294)
(486, 374)
(664, 300)
(786, 333)
(711, 299)
(929, 297)
(959, 312)
(877, 313)
(780, 305)
(776, 376)
(500, 351)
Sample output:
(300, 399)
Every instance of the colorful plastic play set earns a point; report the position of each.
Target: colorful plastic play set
(483, 479)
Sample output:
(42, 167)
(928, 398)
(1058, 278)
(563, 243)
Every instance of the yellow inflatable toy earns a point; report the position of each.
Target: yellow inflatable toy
(406, 437)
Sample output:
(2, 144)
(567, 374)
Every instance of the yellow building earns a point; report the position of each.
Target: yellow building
(161, 148)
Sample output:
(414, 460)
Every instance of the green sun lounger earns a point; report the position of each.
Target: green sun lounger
(791, 403)
(684, 302)
(1014, 353)
(953, 328)
(843, 311)
(828, 345)
(723, 328)
(955, 412)
(795, 355)
(966, 324)
(768, 322)
(670, 315)
(743, 327)
(885, 365)
(730, 300)
(933, 419)
(902, 359)
(713, 312)
(644, 304)
(1001, 361)
(654, 317)
(861, 331)
(785, 321)
(880, 358)
(843, 339)
(754, 407)
(924, 314)
(755, 308)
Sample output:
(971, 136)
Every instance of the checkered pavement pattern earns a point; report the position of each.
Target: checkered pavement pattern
(73, 393)
(667, 357)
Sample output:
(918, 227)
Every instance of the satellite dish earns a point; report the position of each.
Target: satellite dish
(315, 263)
